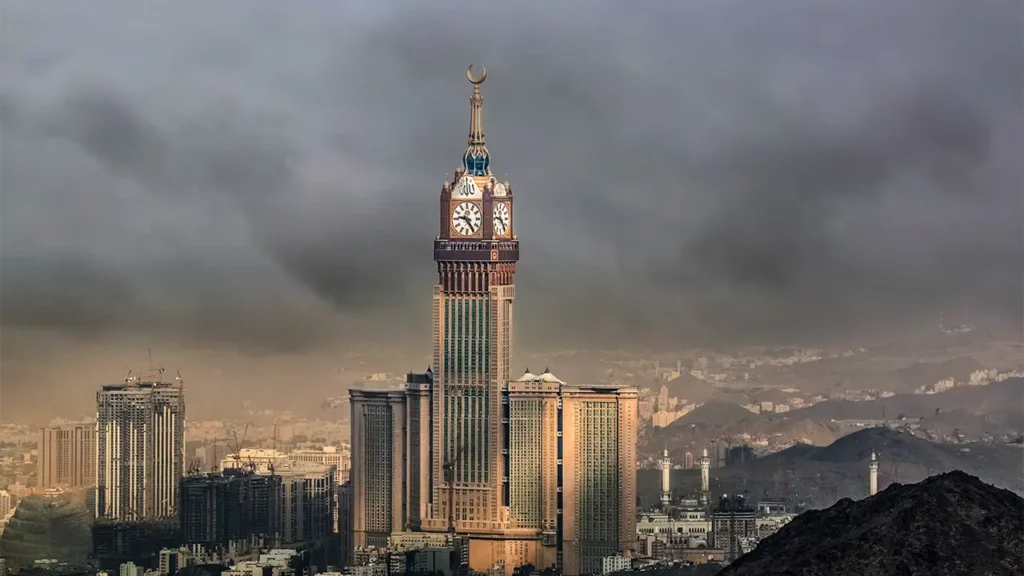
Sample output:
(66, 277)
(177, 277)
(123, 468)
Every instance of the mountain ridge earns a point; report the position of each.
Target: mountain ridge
(951, 524)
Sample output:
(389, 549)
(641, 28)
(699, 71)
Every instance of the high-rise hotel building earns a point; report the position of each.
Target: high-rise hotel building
(599, 475)
(378, 464)
(532, 471)
(140, 444)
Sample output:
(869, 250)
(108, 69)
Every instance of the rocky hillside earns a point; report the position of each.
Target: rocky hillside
(948, 525)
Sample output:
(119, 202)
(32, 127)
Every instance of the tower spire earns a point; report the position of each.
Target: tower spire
(477, 159)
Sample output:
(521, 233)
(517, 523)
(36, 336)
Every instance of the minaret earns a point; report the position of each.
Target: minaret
(873, 482)
(705, 473)
(666, 487)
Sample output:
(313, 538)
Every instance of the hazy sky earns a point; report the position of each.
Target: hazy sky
(267, 173)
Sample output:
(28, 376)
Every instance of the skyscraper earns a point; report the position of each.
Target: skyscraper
(476, 253)
(140, 436)
(377, 477)
(67, 457)
(598, 475)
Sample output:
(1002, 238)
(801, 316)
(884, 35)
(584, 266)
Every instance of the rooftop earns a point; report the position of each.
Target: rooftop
(546, 376)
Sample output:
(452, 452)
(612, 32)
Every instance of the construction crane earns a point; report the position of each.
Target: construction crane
(238, 445)
(449, 478)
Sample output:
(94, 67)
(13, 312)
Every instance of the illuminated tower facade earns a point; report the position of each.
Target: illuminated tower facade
(476, 253)
(705, 474)
(666, 483)
(873, 479)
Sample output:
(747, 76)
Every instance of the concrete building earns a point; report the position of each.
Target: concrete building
(731, 522)
(378, 465)
(687, 527)
(344, 503)
(307, 507)
(258, 460)
(338, 458)
(615, 563)
(140, 436)
(599, 475)
(419, 431)
(67, 457)
(6, 504)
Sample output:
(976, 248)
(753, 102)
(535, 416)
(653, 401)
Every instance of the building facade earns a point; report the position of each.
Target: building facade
(599, 475)
(464, 450)
(732, 522)
(140, 438)
(378, 472)
(67, 457)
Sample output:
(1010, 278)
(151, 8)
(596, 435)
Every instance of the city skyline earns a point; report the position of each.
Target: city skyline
(771, 266)
(292, 182)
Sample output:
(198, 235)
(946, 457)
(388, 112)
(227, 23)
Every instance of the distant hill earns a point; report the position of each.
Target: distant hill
(904, 457)
(998, 398)
(691, 389)
(948, 525)
(924, 373)
(716, 412)
(823, 475)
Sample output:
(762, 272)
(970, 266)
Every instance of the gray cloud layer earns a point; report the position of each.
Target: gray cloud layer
(266, 173)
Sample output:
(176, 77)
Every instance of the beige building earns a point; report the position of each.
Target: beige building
(67, 457)
(598, 475)
(337, 458)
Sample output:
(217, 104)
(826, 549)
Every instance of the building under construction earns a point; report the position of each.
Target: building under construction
(140, 444)
(238, 508)
(115, 542)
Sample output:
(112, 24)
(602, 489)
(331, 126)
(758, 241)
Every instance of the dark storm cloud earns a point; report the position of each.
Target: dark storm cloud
(255, 172)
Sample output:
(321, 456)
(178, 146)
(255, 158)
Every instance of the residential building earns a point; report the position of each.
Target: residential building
(141, 448)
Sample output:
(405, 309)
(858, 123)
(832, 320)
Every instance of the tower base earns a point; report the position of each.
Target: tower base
(499, 555)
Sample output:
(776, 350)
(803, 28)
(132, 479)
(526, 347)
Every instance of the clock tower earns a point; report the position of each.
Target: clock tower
(476, 252)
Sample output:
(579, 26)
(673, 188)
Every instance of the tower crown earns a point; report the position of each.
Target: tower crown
(477, 160)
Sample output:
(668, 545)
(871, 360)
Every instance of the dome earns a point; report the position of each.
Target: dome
(528, 377)
(549, 377)
(545, 377)
(47, 528)
(476, 161)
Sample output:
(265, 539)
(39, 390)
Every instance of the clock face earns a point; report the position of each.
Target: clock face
(466, 188)
(466, 218)
(502, 218)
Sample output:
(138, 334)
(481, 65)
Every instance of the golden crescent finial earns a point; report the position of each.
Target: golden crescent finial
(480, 79)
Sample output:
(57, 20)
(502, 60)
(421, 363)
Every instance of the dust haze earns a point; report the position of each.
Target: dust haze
(262, 178)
